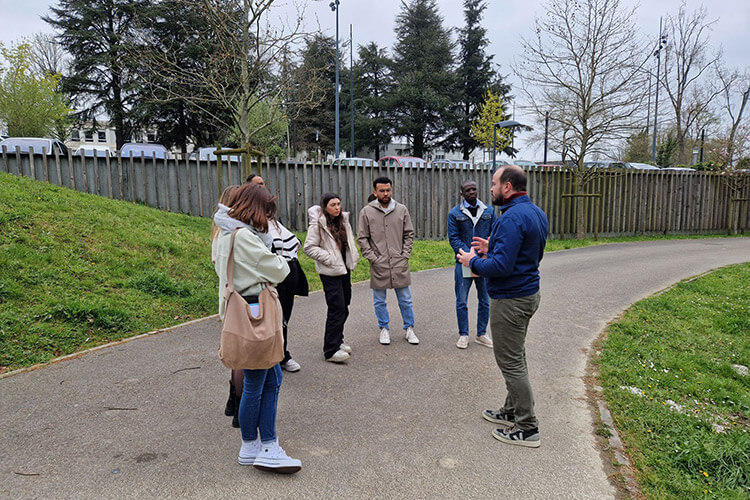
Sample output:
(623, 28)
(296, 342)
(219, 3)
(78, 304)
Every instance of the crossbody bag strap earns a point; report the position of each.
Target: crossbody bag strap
(230, 263)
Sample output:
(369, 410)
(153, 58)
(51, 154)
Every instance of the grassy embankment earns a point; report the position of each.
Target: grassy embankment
(79, 270)
(670, 369)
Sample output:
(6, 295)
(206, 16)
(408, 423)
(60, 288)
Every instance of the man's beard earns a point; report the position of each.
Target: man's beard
(498, 201)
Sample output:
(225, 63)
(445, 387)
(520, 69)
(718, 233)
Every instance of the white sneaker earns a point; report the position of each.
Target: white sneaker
(291, 366)
(274, 459)
(346, 348)
(248, 452)
(339, 357)
(385, 336)
(463, 342)
(410, 337)
(483, 340)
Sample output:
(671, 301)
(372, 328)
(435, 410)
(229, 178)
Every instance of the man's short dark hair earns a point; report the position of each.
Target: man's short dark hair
(381, 180)
(250, 178)
(515, 176)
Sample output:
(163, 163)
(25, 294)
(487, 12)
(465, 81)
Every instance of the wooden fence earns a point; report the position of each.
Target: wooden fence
(623, 202)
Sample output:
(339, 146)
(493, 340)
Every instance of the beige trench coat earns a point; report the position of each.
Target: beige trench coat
(386, 241)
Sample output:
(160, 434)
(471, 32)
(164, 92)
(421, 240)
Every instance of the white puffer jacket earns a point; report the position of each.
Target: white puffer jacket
(320, 245)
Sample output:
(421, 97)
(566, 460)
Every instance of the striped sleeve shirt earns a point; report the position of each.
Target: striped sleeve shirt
(285, 243)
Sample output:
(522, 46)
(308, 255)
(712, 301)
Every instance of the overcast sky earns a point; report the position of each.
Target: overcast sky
(505, 20)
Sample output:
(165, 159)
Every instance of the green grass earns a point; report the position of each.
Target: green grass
(78, 270)
(676, 350)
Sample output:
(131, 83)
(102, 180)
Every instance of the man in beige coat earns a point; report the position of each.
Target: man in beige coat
(385, 236)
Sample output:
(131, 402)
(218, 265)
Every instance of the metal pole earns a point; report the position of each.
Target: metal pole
(656, 102)
(351, 85)
(494, 144)
(546, 136)
(703, 140)
(335, 6)
(648, 106)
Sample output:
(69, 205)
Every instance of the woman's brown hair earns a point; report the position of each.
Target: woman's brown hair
(335, 224)
(253, 205)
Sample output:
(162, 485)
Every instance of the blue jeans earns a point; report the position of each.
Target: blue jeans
(404, 303)
(260, 396)
(462, 294)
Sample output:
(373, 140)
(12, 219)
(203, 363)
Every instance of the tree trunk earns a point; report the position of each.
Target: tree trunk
(580, 204)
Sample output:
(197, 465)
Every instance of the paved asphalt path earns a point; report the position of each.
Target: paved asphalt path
(144, 419)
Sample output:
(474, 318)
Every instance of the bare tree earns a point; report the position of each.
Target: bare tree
(736, 92)
(47, 55)
(244, 69)
(687, 62)
(585, 66)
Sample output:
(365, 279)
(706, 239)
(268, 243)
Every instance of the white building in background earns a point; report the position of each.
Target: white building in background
(103, 135)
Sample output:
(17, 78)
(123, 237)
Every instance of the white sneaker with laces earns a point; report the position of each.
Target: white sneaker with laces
(248, 452)
(346, 348)
(410, 336)
(483, 340)
(463, 342)
(291, 366)
(385, 336)
(274, 459)
(338, 357)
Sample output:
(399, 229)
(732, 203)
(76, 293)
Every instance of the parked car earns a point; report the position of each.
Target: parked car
(498, 163)
(641, 166)
(91, 150)
(403, 161)
(450, 164)
(207, 154)
(524, 164)
(680, 169)
(605, 164)
(40, 145)
(135, 149)
(355, 161)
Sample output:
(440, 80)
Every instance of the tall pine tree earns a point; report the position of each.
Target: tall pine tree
(476, 75)
(314, 125)
(372, 83)
(424, 81)
(97, 33)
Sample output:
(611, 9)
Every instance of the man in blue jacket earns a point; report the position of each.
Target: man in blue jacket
(466, 220)
(511, 266)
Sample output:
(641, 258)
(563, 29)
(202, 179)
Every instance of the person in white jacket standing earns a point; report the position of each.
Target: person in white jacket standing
(330, 243)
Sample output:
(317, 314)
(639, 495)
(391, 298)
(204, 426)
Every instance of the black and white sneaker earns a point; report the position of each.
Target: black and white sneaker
(499, 417)
(528, 438)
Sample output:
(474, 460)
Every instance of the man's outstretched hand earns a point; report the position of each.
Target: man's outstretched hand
(481, 245)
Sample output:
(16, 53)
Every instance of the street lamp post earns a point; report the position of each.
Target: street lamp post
(335, 8)
(495, 126)
(351, 85)
(546, 135)
(657, 53)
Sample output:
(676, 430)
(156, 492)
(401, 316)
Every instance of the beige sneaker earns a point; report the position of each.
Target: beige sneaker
(463, 342)
(483, 340)
(338, 357)
(346, 348)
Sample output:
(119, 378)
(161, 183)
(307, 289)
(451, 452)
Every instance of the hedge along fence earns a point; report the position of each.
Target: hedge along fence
(620, 202)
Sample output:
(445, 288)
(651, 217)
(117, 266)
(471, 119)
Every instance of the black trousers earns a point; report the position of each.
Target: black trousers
(338, 291)
(286, 291)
